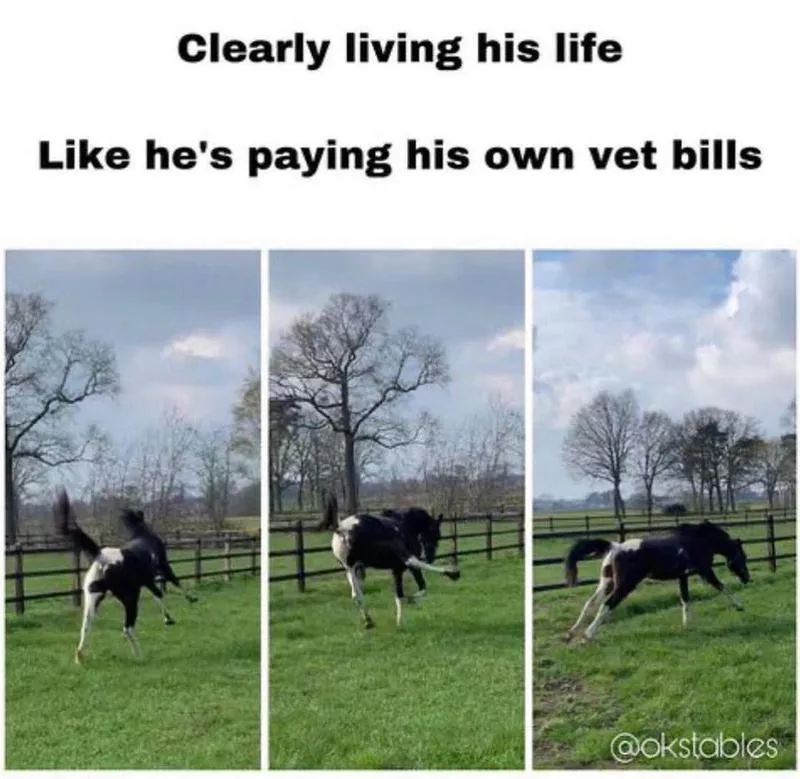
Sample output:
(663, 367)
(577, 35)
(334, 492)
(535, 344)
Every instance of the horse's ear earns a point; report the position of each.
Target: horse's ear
(440, 518)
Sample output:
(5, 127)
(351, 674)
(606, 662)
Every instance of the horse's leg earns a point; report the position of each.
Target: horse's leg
(415, 563)
(683, 582)
(420, 581)
(711, 578)
(358, 596)
(169, 575)
(91, 600)
(131, 605)
(624, 588)
(159, 596)
(397, 573)
(603, 588)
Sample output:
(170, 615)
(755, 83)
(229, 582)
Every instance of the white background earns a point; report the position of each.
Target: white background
(110, 73)
(691, 70)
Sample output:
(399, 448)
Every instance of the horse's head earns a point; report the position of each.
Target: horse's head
(430, 533)
(737, 561)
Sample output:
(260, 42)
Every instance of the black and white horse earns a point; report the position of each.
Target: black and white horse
(677, 554)
(137, 528)
(397, 541)
(121, 571)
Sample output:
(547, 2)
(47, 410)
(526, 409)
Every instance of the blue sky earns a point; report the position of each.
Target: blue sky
(683, 329)
(472, 301)
(184, 326)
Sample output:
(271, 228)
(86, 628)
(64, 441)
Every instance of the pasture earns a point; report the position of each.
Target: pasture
(191, 701)
(728, 672)
(444, 691)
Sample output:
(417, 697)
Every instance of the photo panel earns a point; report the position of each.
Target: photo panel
(396, 532)
(664, 528)
(132, 486)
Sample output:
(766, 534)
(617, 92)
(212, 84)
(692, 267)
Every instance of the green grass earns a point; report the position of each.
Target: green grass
(191, 701)
(444, 691)
(729, 672)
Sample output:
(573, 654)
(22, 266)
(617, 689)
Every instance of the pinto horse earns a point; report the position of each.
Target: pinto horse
(395, 541)
(676, 554)
(121, 571)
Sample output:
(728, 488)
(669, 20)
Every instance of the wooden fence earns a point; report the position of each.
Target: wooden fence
(621, 531)
(555, 522)
(488, 532)
(230, 550)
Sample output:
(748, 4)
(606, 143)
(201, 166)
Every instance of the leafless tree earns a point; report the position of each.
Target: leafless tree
(771, 465)
(48, 376)
(600, 439)
(654, 451)
(246, 434)
(214, 470)
(345, 367)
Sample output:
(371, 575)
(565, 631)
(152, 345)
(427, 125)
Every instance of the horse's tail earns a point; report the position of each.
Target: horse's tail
(582, 550)
(330, 516)
(67, 526)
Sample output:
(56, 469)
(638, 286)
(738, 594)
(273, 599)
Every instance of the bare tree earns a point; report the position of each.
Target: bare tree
(771, 465)
(600, 439)
(654, 451)
(48, 376)
(214, 469)
(352, 374)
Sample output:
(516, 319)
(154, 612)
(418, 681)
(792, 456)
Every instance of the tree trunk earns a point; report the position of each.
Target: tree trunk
(351, 477)
(11, 502)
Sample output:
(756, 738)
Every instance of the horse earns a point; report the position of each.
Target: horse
(136, 527)
(121, 571)
(393, 541)
(676, 554)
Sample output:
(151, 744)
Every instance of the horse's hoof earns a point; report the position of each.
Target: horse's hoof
(78, 658)
(568, 636)
(169, 621)
(368, 625)
(453, 575)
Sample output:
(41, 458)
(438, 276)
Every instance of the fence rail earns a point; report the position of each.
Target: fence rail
(657, 519)
(233, 549)
(621, 531)
(301, 551)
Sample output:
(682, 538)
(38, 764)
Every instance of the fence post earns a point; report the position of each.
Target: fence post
(19, 581)
(300, 552)
(586, 520)
(622, 531)
(521, 536)
(773, 563)
(76, 576)
(198, 561)
(551, 523)
(254, 544)
(455, 541)
(488, 536)
(227, 560)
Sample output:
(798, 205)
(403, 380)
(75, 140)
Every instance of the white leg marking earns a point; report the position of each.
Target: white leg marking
(164, 613)
(685, 609)
(593, 598)
(358, 595)
(399, 604)
(737, 604)
(414, 562)
(91, 600)
(592, 629)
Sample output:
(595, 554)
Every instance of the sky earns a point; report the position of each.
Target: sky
(184, 326)
(472, 301)
(682, 329)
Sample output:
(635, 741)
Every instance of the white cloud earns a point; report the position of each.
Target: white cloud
(201, 346)
(507, 341)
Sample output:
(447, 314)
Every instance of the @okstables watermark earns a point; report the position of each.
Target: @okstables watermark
(627, 747)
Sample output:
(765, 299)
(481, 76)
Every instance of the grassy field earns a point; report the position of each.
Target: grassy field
(444, 691)
(190, 702)
(729, 672)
